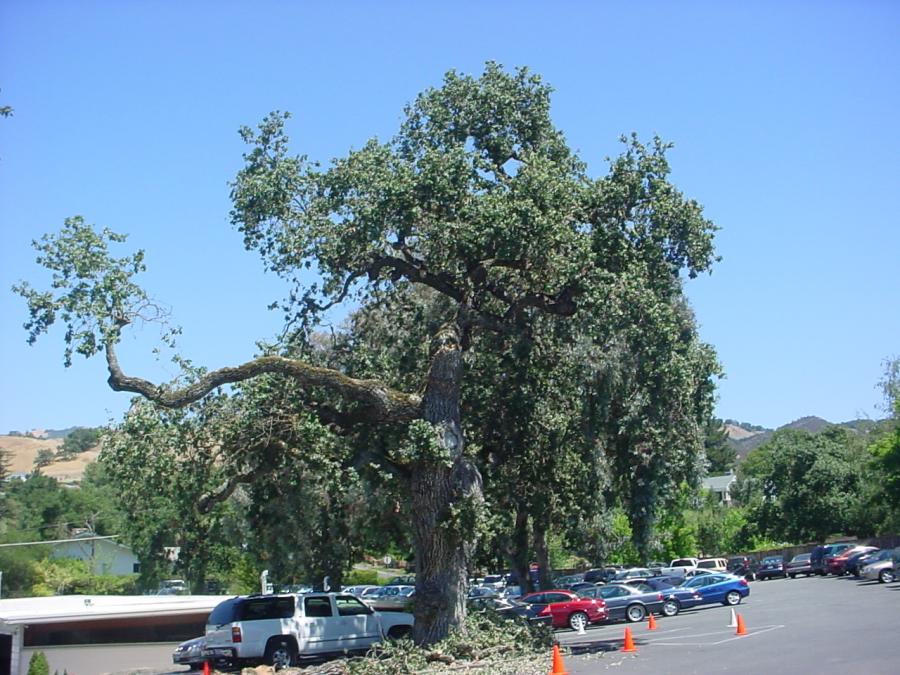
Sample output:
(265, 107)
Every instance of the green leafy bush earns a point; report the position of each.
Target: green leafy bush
(38, 664)
(510, 646)
(359, 577)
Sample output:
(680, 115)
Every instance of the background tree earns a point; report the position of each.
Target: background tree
(44, 457)
(79, 440)
(479, 198)
(720, 455)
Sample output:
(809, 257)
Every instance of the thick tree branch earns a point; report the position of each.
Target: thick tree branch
(383, 403)
(415, 273)
(226, 489)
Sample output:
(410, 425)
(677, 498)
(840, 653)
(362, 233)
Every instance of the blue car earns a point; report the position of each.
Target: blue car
(725, 588)
(675, 598)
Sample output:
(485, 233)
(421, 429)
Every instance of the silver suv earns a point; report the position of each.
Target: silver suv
(282, 629)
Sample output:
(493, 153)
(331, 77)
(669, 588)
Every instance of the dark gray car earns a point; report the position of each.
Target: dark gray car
(625, 602)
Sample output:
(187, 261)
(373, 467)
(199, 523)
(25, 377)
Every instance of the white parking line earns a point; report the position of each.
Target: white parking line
(758, 631)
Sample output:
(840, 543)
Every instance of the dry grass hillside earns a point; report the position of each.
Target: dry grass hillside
(22, 450)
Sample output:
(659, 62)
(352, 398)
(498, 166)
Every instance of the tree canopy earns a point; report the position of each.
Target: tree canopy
(478, 199)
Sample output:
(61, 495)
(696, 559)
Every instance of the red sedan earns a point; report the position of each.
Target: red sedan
(567, 609)
(838, 564)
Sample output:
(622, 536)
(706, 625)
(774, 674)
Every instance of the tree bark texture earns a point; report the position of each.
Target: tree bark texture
(543, 553)
(518, 550)
(442, 549)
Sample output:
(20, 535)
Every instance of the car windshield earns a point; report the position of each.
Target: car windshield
(706, 564)
(772, 559)
(803, 557)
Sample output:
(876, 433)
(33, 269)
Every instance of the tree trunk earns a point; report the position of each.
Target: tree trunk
(518, 550)
(442, 547)
(542, 553)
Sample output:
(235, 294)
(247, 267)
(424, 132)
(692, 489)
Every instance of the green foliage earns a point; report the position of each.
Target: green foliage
(78, 441)
(360, 577)
(585, 382)
(720, 454)
(20, 569)
(801, 486)
(38, 664)
(486, 640)
(91, 291)
(44, 457)
(161, 464)
(67, 576)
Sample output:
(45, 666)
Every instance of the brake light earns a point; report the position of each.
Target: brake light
(743, 582)
(236, 634)
(660, 596)
(544, 611)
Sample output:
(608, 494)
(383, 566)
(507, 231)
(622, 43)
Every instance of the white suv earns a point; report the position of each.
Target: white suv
(281, 629)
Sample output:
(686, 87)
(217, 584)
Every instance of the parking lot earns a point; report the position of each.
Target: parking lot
(804, 625)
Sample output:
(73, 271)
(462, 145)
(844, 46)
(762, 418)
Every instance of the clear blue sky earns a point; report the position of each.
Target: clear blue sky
(784, 116)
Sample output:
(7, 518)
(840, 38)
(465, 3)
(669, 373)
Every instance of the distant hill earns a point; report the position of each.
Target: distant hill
(22, 450)
(50, 434)
(745, 437)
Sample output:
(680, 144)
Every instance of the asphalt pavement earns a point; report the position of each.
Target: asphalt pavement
(816, 625)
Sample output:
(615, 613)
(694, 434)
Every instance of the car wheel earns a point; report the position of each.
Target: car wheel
(635, 613)
(399, 632)
(793, 576)
(733, 598)
(280, 653)
(671, 607)
(578, 621)
(886, 576)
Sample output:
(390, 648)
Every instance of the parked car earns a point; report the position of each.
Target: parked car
(858, 560)
(799, 564)
(880, 567)
(190, 653)
(390, 598)
(511, 592)
(494, 581)
(770, 567)
(713, 564)
(725, 588)
(482, 592)
(626, 602)
(279, 630)
(402, 580)
(564, 580)
(742, 566)
(675, 598)
(595, 575)
(684, 562)
(837, 564)
(578, 586)
(567, 609)
(510, 609)
(819, 554)
(632, 573)
(359, 590)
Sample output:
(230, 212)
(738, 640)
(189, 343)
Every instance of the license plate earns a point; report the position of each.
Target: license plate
(218, 651)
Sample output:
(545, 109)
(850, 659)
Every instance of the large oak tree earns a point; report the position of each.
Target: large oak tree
(478, 198)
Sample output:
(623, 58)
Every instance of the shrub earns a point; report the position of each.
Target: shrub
(359, 577)
(38, 664)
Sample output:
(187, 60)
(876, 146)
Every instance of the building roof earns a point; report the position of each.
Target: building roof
(719, 483)
(95, 607)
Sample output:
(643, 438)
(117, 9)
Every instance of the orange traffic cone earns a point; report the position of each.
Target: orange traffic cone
(741, 628)
(558, 667)
(206, 668)
(651, 623)
(629, 642)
